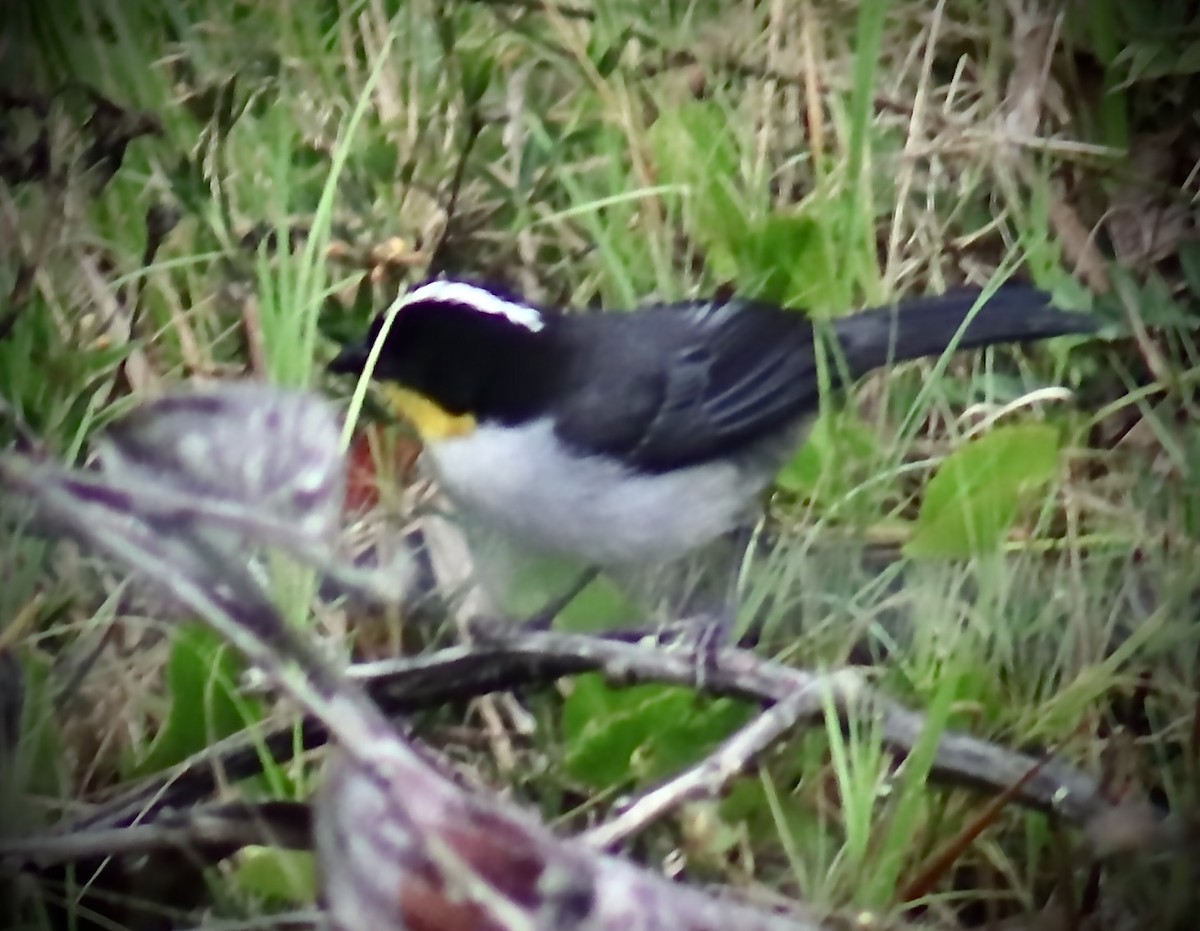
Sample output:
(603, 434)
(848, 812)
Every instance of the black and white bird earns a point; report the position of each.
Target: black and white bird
(630, 438)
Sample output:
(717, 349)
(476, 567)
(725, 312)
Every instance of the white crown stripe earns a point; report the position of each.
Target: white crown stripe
(459, 292)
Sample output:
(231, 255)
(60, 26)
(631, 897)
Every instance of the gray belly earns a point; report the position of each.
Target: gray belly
(521, 482)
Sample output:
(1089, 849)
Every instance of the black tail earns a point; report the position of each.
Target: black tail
(927, 326)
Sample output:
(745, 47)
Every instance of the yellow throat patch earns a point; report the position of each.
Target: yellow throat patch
(431, 421)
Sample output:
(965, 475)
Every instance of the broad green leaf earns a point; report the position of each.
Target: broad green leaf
(781, 259)
(201, 678)
(973, 500)
(589, 698)
(278, 875)
(605, 755)
(641, 733)
(695, 734)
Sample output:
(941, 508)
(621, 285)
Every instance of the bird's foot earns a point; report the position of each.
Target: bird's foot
(702, 637)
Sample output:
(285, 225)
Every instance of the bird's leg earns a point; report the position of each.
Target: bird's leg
(546, 616)
(710, 611)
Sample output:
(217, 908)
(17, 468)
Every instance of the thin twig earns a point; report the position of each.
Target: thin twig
(231, 826)
(711, 776)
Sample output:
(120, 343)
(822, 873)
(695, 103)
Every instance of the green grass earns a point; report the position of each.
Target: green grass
(823, 154)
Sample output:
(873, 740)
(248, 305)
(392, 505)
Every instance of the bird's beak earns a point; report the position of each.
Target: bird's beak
(350, 361)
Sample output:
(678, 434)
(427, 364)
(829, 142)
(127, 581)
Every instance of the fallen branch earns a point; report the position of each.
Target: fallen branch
(526, 660)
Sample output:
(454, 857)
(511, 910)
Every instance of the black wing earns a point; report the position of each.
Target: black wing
(679, 384)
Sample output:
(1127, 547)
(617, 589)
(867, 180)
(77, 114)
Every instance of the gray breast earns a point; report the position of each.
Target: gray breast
(522, 481)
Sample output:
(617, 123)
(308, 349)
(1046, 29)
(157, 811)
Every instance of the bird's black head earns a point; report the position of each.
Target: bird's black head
(467, 349)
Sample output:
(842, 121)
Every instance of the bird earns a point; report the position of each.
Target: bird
(631, 438)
